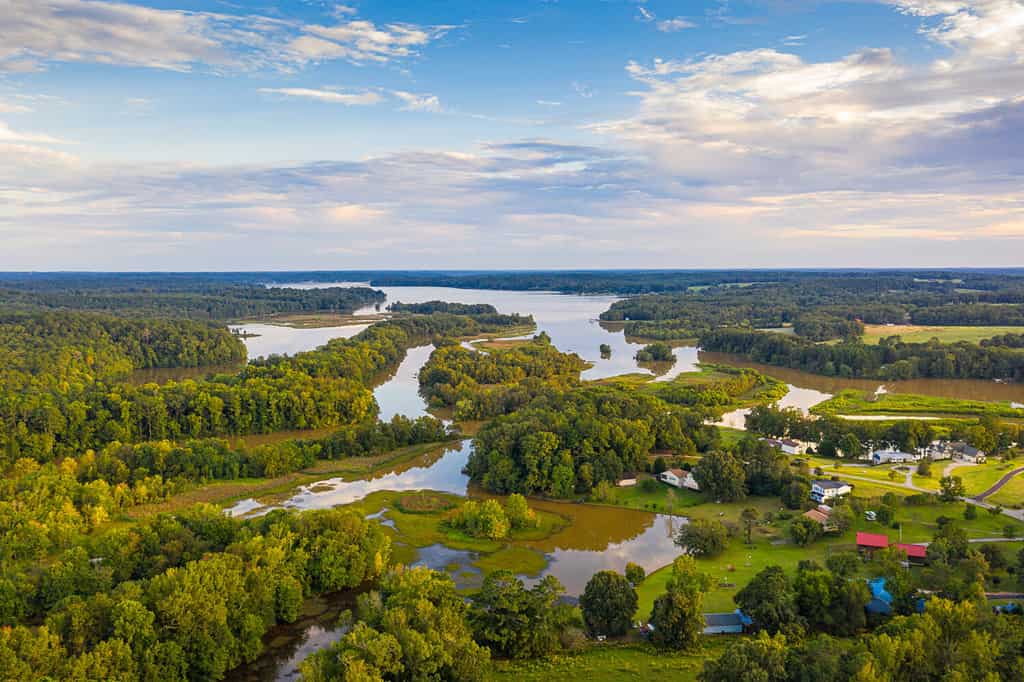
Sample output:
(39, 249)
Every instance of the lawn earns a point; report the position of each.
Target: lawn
(978, 479)
(920, 334)
(610, 662)
(1011, 494)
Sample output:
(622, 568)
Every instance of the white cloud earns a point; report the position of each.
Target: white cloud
(362, 41)
(9, 135)
(418, 102)
(35, 32)
(333, 96)
(673, 25)
(644, 14)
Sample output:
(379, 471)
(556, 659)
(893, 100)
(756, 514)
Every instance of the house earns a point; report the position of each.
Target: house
(726, 623)
(628, 479)
(787, 445)
(969, 453)
(942, 449)
(916, 554)
(822, 514)
(869, 542)
(823, 491)
(889, 456)
(679, 479)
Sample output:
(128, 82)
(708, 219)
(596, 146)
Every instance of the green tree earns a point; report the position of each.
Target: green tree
(749, 517)
(796, 494)
(608, 603)
(635, 574)
(951, 488)
(756, 659)
(703, 537)
(414, 628)
(678, 614)
(515, 622)
(769, 600)
(804, 531)
(722, 476)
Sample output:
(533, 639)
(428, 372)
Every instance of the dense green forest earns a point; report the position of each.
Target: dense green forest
(890, 359)
(60, 409)
(428, 307)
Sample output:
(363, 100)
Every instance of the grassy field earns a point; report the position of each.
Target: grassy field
(852, 402)
(610, 662)
(1011, 494)
(978, 479)
(922, 334)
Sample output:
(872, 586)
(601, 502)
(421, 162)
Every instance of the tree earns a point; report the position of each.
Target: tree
(796, 494)
(414, 628)
(677, 615)
(804, 530)
(843, 564)
(851, 446)
(703, 537)
(721, 475)
(951, 488)
(660, 465)
(749, 517)
(519, 513)
(756, 659)
(608, 603)
(635, 574)
(970, 512)
(514, 622)
(769, 600)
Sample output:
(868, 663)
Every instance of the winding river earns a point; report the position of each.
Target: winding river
(598, 537)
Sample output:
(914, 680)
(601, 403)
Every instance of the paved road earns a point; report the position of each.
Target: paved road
(999, 484)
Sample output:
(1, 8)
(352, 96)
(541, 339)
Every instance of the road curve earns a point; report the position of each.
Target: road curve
(999, 484)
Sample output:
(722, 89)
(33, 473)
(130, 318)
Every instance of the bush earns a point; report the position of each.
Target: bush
(649, 485)
(635, 574)
(970, 512)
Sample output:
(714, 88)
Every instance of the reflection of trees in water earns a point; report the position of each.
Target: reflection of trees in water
(592, 528)
(288, 644)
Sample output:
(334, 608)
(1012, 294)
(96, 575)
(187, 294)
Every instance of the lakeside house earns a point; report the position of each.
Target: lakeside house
(890, 456)
(679, 478)
(787, 445)
(822, 514)
(825, 490)
(735, 623)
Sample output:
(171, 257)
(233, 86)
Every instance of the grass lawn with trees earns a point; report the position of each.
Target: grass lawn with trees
(922, 334)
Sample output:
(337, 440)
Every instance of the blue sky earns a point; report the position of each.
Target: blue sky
(572, 133)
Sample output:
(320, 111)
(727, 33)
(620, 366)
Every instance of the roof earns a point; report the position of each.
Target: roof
(790, 441)
(831, 485)
(678, 472)
(722, 619)
(872, 540)
(817, 515)
(878, 591)
(914, 551)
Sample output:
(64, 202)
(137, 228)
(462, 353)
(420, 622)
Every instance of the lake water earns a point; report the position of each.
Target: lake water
(274, 339)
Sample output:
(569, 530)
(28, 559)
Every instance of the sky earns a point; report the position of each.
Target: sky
(308, 134)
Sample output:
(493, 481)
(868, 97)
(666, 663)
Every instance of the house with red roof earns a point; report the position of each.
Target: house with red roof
(869, 543)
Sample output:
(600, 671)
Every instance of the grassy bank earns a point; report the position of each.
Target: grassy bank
(856, 403)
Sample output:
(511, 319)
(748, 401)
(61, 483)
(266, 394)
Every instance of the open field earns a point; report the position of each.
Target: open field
(856, 403)
(946, 334)
(612, 662)
(1011, 494)
(978, 479)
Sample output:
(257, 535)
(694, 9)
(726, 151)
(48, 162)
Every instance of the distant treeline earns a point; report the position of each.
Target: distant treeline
(428, 307)
(890, 359)
(823, 308)
(184, 296)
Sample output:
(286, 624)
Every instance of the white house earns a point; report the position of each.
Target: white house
(890, 456)
(823, 491)
(943, 449)
(679, 479)
(787, 445)
(969, 453)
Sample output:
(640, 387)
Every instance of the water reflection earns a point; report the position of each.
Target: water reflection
(440, 471)
(400, 393)
(571, 320)
(272, 339)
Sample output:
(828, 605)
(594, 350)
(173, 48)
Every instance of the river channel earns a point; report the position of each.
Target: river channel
(598, 537)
